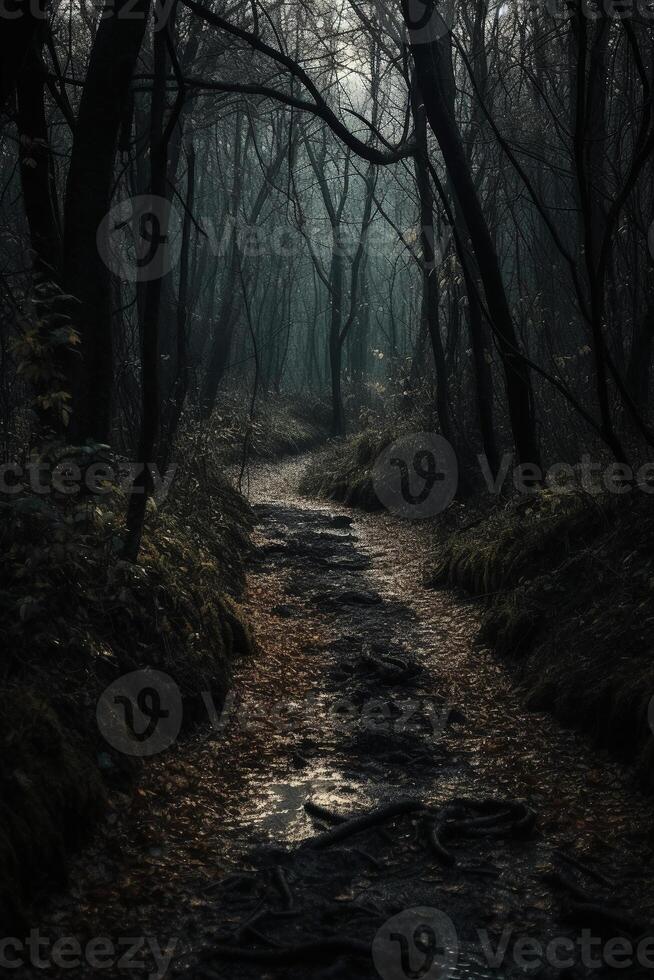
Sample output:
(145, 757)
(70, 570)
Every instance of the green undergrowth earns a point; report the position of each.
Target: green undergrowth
(279, 427)
(516, 541)
(344, 472)
(567, 585)
(74, 617)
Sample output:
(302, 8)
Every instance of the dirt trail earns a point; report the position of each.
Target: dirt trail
(365, 691)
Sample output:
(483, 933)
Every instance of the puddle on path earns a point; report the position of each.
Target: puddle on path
(365, 690)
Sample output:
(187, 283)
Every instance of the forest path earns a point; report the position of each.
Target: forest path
(365, 691)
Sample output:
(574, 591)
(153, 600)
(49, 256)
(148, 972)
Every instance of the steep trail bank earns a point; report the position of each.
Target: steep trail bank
(365, 692)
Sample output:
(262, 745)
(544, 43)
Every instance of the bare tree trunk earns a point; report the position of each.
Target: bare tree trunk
(36, 172)
(483, 376)
(335, 325)
(431, 297)
(221, 347)
(433, 75)
(16, 40)
(336, 334)
(180, 388)
(150, 387)
(589, 141)
(36, 165)
(90, 179)
(221, 344)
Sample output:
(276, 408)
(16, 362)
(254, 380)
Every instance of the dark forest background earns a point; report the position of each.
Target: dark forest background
(363, 199)
(237, 229)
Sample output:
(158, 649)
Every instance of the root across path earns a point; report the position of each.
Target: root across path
(374, 801)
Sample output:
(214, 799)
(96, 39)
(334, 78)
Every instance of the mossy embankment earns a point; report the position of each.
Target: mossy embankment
(565, 582)
(75, 617)
(567, 585)
(344, 472)
(277, 427)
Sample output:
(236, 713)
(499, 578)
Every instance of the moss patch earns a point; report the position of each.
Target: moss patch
(516, 542)
(568, 588)
(280, 427)
(344, 471)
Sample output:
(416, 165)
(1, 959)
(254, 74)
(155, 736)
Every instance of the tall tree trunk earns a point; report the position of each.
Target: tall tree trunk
(335, 341)
(150, 387)
(181, 385)
(359, 349)
(36, 172)
(221, 343)
(589, 142)
(19, 31)
(483, 375)
(36, 165)
(431, 297)
(433, 71)
(88, 197)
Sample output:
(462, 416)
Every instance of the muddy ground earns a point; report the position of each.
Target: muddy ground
(368, 698)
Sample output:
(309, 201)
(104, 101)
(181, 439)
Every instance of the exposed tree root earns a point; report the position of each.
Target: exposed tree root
(496, 819)
(281, 883)
(357, 824)
(499, 819)
(389, 670)
(458, 818)
(322, 813)
(444, 856)
(585, 910)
